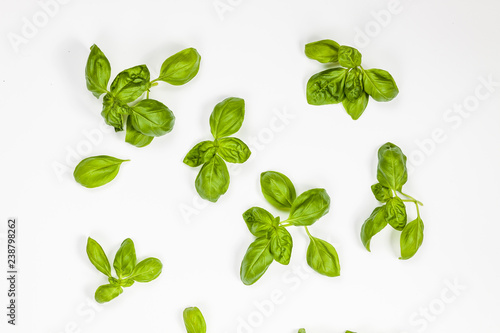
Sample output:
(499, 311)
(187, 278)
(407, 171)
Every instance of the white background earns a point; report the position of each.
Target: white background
(438, 52)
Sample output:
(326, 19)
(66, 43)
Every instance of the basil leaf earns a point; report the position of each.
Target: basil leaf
(381, 193)
(353, 85)
(202, 153)
(373, 225)
(97, 72)
(126, 283)
(130, 84)
(97, 257)
(136, 138)
(277, 189)
(213, 179)
(322, 257)
(309, 207)
(395, 211)
(233, 150)
(152, 118)
(326, 87)
(391, 169)
(256, 261)
(380, 85)
(323, 51)
(227, 117)
(146, 270)
(194, 321)
(259, 221)
(113, 281)
(113, 112)
(107, 292)
(181, 67)
(97, 170)
(125, 259)
(281, 245)
(302, 330)
(349, 57)
(411, 238)
(355, 109)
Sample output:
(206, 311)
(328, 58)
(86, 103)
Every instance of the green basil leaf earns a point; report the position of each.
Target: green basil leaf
(259, 221)
(381, 193)
(136, 138)
(257, 260)
(349, 57)
(380, 85)
(97, 72)
(355, 109)
(113, 281)
(302, 330)
(281, 245)
(113, 112)
(146, 270)
(309, 207)
(202, 153)
(233, 150)
(213, 179)
(130, 84)
(373, 225)
(391, 170)
(97, 170)
(353, 85)
(107, 292)
(126, 282)
(97, 257)
(277, 189)
(411, 238)
(227, 117)
(322, 257)
(125, 259)
(181, 67)
(194, 321)
(395, 211)
(152, 118)
(326, 87)
(323, 51)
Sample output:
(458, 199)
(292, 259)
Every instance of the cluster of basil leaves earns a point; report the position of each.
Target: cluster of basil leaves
(348, 82)
(392, 175)
(127, 269)
(274, 242)
(213, 179)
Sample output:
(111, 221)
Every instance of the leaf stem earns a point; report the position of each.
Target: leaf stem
(285, 224)
(307, 230)
(412, 198)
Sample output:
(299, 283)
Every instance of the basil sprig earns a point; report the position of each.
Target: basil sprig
(348, 82)
(273, 241)
(126, 267)
(392, 175)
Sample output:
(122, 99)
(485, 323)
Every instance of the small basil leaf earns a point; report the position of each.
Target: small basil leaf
(202, 153)
(323, 51)
(411, 238)
(146, 270)
(355, 109)
(380, 85)
(257, 260)
(373, 225)
(259, 221)
(322, 257)
(395, 211)
(349, 57)
(97, 170)
(125, 259)
(97, 257)
(97, 72)
(107, 292)
(130, 84)
(353, 85)
(302, 330)
(277, 189)
(126, 283)
(381, 193)
(326, 87)
(281, 245)
(152, 118)
(181, 67)
(213, 179)
(309, 207)
(227, 117)
(233, 150)
(136, 138)
(113, 112)
(194, 321)
(391, 169)
(113, 281)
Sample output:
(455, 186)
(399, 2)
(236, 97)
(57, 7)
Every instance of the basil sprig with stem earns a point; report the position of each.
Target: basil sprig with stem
(127, 269)
(392, 175)
(348, 82)
(273, 241)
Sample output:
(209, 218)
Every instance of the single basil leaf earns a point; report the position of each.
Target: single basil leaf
(302, 330)
(411, 238)
(181, 67)
(380, 85)
(227, 117)
(326, 87)
(349, 57)
(202, 153)
(259, 221)
(152, 118)
(213, 179)
(353, 85)
(395, 211)
(97, 72)
(256, 261)
(281, 245)
(97, 170)
(97, 257)
(146, 270)
(373, 225)
(309, 207)
(113, 112)
(323, 51)
(391, 169)
(277, 189)
(136, 138)
(125, 259)
(107, 292)
(126, 282)
(322, 257)
(194, 321)
(233, 150)
(355, 109)
(381, 193)
(130, 84)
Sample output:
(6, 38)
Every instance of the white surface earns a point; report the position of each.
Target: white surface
(437, 52)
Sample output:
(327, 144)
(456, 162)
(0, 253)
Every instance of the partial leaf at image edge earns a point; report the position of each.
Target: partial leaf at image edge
(194, 320)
